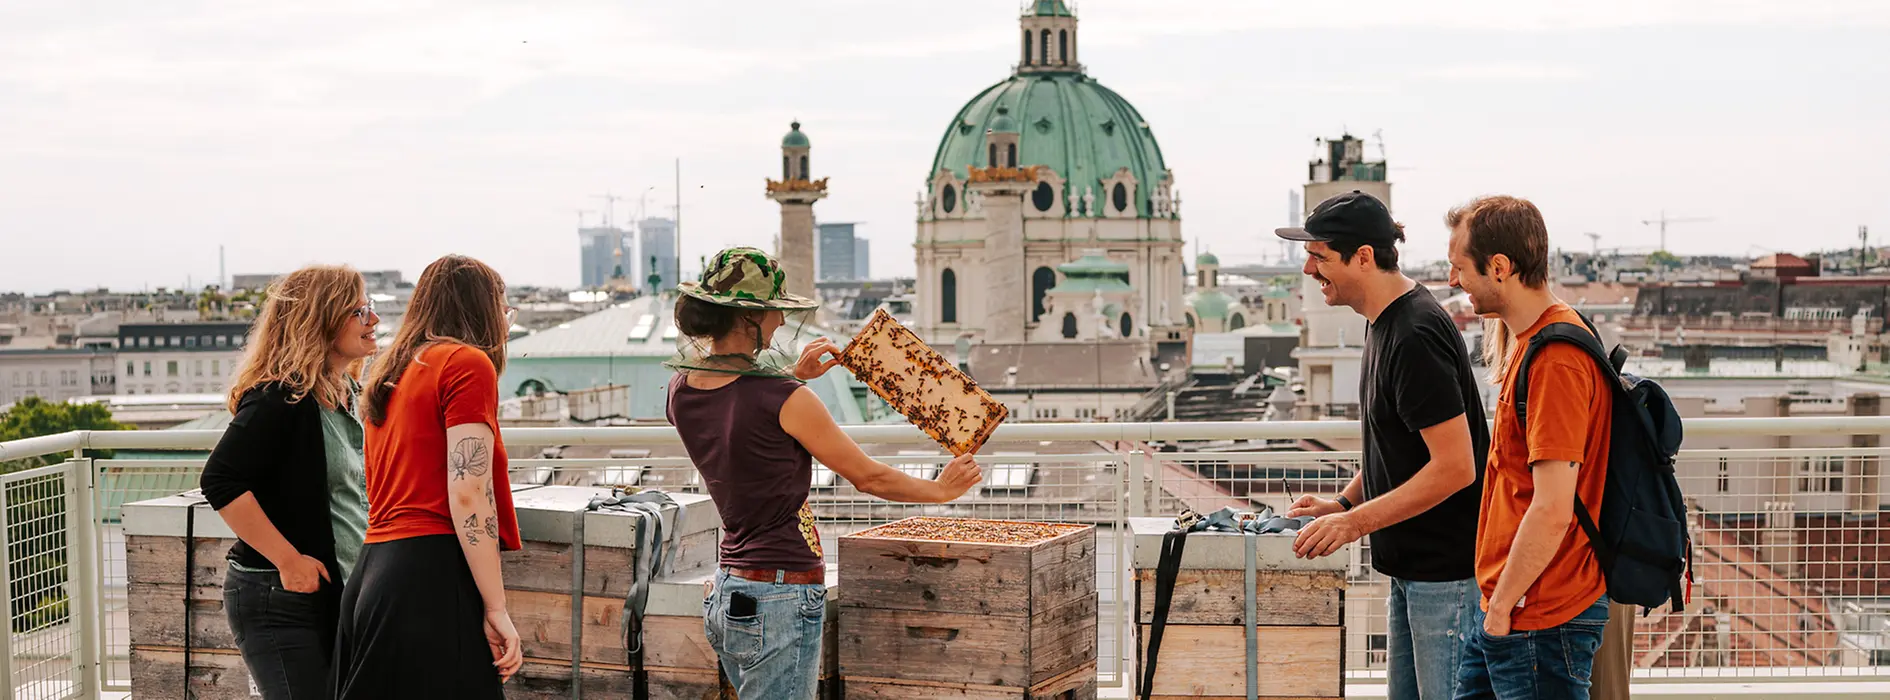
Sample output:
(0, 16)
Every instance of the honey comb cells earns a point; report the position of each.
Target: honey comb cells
(922, 386)
(970, 530)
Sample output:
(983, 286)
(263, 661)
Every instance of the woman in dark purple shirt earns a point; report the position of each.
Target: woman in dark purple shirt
(754, 432)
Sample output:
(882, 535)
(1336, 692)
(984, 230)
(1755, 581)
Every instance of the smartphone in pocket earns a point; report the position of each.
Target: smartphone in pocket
(741, 605)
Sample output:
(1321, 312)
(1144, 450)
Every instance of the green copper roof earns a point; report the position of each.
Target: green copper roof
(1207, 259)
(1093, 265)
(1067, 121)
(1209, 303)
(1091, 285)
(1003, 123)
(794, 137)
(1051, 8)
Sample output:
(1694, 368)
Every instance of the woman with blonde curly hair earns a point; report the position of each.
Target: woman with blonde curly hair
(287, 477)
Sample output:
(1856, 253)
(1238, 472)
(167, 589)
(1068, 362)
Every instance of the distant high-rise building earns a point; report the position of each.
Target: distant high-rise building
(656, 240)
(839, 251)
(598, 254)
(862, 259)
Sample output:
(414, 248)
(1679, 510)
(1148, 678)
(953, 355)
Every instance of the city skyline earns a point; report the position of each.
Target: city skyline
(385, 135)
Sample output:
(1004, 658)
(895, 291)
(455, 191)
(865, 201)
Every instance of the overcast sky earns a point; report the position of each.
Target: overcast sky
(136, 137)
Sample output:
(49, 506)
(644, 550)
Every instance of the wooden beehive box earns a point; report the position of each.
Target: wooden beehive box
(921, 385)
(155, 576)
(538, 581)
(1299, 613)
(538, 586)
(949, 607)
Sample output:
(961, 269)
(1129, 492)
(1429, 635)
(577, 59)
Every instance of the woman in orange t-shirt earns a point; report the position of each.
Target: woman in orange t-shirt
(424, 614)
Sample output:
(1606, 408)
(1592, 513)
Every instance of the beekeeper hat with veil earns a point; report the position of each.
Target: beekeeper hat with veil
(721, 337)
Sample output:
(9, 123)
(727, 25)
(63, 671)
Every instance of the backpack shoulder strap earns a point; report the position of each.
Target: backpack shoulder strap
(1558, 333)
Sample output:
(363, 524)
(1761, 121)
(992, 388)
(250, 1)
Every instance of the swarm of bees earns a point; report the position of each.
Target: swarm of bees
(922, 386)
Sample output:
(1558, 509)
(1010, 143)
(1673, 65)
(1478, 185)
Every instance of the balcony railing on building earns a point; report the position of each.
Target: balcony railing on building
(1792, 535)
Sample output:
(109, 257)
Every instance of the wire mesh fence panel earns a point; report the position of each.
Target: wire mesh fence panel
(1789, 564)
(42, 629)
(118, 482)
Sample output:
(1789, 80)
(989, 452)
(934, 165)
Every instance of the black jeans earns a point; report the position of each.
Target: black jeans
(286, 637)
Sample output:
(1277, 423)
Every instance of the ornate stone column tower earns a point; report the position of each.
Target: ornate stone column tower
(796, 192)
(1000, 188)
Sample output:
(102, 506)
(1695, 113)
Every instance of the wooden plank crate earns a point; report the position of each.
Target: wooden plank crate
(1299, 613)
(538, 591)
(932, 611)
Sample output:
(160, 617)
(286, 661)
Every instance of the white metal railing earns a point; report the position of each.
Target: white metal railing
(1791, 523)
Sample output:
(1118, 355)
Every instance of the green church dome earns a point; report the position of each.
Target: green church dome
(1065, 120)
(1209, 303)
(1207, 259)
(1051, 8)
(794, 137)
(1003, 123)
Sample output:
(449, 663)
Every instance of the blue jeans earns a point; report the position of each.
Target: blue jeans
(774, 653)
(1440, 613)
(1545, 664)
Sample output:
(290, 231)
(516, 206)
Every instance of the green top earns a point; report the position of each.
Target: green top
(343, 440)
(1051, 8)
(1066, 121)
(1209, 303)
(1207, 259)
(794, 137)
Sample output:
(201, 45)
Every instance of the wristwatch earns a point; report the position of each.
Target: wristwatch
(1344, 502)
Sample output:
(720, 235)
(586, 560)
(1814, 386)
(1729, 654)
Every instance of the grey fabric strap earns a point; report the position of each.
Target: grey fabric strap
(1253, 632)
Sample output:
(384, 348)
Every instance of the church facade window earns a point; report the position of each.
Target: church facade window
(1043, 49)
(787, 173)
(1043, 197)
(948, 296)
(1237, 322)
(1010, 155)
(1041, 281)
(1063, 46)
(993, 155)
(1119, 196)
(949, 198)
(1128, 328)
(1026, 47)
(804, 170)
(1069, 325)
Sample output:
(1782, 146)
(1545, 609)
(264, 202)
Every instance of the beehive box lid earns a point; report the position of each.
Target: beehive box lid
(922, 385)
(680, 594)
(1227, 550)
(546, 514)
(1008, 533)
(166, 517)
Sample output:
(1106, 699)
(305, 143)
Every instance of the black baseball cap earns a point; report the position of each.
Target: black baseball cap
(1351, 217)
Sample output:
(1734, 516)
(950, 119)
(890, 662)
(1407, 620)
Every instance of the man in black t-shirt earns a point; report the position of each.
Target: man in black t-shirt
(1425, 443)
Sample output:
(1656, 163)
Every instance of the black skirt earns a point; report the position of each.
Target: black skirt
(413, 625)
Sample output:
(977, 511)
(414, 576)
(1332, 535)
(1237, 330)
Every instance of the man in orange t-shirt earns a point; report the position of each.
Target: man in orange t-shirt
(1544, 598)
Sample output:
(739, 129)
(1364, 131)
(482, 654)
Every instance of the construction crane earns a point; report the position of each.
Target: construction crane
(1596, 239)
(1664, 220)
(610, 204)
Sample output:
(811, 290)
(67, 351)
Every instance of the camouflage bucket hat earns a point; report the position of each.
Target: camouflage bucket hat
(746, 278)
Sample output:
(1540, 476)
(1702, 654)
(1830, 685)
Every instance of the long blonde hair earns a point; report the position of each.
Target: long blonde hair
(290, 342)
(1497, 341)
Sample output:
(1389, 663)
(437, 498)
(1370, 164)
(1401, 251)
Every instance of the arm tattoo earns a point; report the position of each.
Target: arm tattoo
(472, 529)
(492, 527)
(490, 500)
(470, 456)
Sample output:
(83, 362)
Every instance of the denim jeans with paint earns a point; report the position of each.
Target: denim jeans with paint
(1546, 664)
(774, 653)
(1430, 622)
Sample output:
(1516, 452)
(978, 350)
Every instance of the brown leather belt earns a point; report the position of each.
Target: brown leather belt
(818, 575)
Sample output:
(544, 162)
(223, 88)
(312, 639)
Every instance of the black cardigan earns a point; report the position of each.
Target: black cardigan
(273, 448)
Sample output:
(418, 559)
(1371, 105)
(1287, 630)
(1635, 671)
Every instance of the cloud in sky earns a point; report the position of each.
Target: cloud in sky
(137, 137)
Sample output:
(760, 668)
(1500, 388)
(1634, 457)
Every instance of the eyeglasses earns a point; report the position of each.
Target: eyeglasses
(364, 314)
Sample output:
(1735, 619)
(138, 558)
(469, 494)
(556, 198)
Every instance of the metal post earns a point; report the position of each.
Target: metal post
(82, 583)
(6, 615)
(1137, 488)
